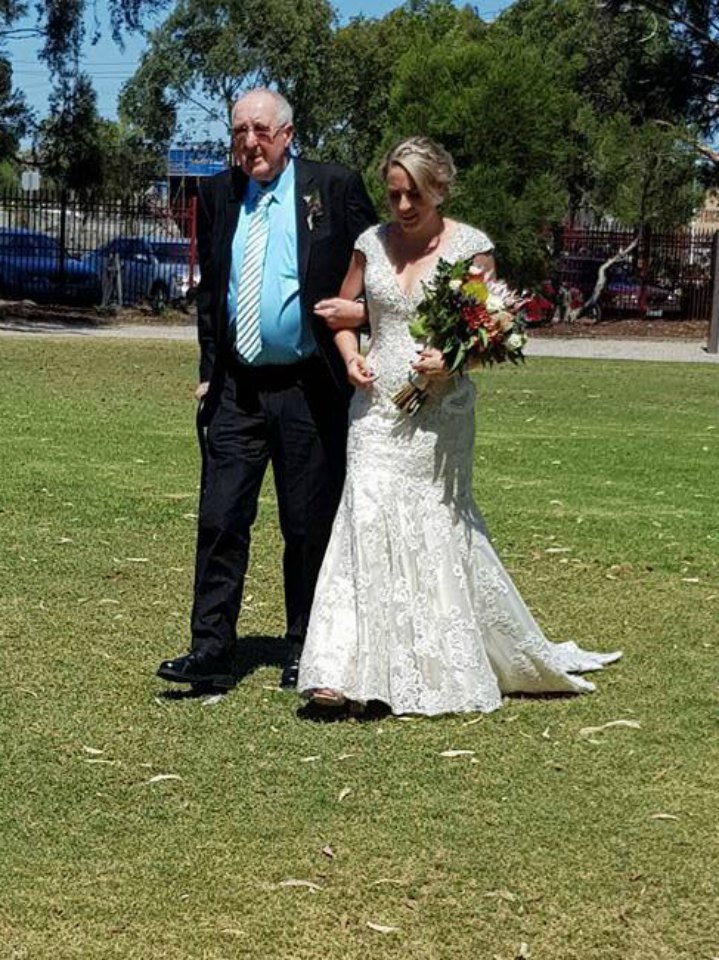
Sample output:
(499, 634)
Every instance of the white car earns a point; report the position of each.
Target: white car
(160, 271)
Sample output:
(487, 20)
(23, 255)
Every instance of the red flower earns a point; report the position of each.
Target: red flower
(537, 308)
(476, 315)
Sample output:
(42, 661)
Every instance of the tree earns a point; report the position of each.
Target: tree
(61, 25)
(207, 52)
(364, 60)
(626, 65)
(68, 144)
(502, 110)
(14, 115)
(130, 165)
(644, 177)
(693, 26)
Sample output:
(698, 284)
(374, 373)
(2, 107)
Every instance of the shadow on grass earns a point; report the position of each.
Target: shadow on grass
(253, 652)
(372, 712)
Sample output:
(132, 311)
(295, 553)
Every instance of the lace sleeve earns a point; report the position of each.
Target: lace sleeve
(363, 243)
(475, 241)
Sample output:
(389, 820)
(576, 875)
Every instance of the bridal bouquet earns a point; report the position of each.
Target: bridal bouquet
(470, 318)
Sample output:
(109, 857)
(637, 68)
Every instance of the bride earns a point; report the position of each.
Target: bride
(413, 607)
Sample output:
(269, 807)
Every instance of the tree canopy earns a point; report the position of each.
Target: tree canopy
(558, 107)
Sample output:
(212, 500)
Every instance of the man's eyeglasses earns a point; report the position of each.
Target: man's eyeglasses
(262, 133)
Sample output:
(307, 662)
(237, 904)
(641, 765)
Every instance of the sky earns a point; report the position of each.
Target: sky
(110, 67)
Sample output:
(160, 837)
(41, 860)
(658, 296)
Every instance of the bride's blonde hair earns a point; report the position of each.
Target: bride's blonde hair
(428, 164)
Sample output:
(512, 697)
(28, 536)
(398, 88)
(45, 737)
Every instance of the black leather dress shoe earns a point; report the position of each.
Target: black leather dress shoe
(198, 668)
(291, 670)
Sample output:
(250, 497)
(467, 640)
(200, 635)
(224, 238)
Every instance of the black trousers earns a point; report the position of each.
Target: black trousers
(294, 417)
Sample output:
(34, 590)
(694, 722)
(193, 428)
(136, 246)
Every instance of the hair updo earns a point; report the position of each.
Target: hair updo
(428, 164)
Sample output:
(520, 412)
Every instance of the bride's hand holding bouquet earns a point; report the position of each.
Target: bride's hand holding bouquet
(466, 318)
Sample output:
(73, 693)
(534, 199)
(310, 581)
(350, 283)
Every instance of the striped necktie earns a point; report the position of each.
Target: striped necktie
(248, 340)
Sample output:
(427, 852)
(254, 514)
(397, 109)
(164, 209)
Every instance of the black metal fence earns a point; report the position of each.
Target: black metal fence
(667, 274)
(54, 248)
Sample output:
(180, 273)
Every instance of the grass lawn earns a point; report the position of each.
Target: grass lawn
(599, 484)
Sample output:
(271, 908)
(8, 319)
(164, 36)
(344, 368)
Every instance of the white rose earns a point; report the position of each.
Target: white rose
(515, 341)
(455, 285)
(494, 303)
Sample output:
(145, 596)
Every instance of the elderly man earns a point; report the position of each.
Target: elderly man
(275, 236)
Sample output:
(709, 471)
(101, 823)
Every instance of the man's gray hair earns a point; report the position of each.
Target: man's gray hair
(283, 109)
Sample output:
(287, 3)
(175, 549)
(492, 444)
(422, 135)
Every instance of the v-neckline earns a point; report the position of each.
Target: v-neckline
(409, 294)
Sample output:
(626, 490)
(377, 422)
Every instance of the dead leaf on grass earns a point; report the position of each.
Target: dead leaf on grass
(159, 777)
(522, 951)
(631, 724)
(380, 928)
(501, 895)
(212, 699)
(457, 753)
(663, 816)
(328, 852)
(344, 792)
(545, 734)
(93, 750)
(305, 884)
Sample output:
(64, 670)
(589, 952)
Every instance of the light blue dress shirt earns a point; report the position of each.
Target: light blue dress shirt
(285, 338)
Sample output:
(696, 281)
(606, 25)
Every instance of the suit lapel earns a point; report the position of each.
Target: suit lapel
(231, 210)
(305, 185)
(238, 185)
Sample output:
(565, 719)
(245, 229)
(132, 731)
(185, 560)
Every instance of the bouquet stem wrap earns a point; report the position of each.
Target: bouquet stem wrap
(412, 395)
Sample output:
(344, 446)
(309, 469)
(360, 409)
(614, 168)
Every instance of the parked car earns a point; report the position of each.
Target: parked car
(158, 271)
(32, 264)
(175, 282)
(623, 293)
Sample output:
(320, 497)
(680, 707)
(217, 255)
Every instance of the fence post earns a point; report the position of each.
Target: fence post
(63, 238)
(645, 235)
(713, 342)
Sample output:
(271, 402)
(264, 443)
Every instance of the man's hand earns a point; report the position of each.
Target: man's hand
(341, 314)
(202, 389)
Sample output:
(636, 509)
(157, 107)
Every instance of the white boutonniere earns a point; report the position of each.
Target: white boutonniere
(313, 208)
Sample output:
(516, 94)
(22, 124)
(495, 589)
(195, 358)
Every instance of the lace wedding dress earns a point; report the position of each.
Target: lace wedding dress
(413, 607)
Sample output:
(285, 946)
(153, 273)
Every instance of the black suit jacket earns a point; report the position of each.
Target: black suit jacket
(326, 232)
